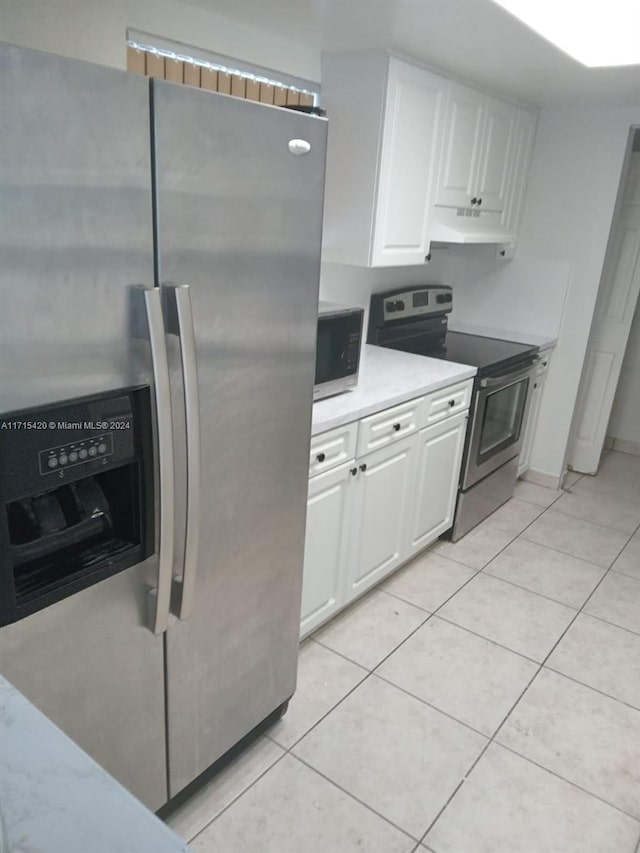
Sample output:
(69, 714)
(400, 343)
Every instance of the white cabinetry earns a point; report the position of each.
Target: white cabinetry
(519, 167)
(461, 151)
(395, 496)
(475, 167)
(439, 455)
(380, 515)
(410, 151)
(532, 416)
(325, 547)
(383, 158)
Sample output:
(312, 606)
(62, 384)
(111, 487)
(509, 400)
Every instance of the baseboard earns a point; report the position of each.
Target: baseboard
(632, 447)
(541, 478)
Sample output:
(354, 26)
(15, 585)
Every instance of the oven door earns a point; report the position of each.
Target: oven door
(497, 427)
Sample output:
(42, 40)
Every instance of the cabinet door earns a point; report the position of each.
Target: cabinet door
(530, 428)
(380, 515)
(461, 149)
(409, 161)
(497, 140)
(520, 162)
(325, 545)
(436, 483)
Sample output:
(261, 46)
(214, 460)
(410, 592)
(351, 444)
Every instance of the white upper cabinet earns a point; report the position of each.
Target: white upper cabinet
(461, 152)
(476, 157)
(409, 151)
(409, 159)
(519, 166)
(497, 140)
(385, 136)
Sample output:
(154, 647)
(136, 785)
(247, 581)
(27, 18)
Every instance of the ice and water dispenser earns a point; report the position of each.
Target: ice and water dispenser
(76, 497)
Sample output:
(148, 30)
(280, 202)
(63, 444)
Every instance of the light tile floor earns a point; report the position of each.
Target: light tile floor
(485, 699)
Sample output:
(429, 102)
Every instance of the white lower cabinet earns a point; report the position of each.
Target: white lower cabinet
(380, 515)
(439, 455)
(533, 412)
(325, 548)
(370, 514)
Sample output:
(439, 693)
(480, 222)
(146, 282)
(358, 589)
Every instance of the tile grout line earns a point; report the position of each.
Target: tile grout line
(591, 687)
(488, 574)
(237, 797)
(568, 781)
(420, 841)
(613, 624)
(626, 574)
(538, 671)
(353, 797)
(450, 621)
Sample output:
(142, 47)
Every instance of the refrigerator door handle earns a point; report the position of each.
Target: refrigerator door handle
(160, 597)
(184, 585)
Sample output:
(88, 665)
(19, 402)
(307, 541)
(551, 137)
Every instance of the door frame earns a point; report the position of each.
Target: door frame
(583, 456)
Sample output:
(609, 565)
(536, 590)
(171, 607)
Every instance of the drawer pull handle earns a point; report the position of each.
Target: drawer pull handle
(353, 472)
(452, 403)
(396, 427)
(320, 457)
(363, 467)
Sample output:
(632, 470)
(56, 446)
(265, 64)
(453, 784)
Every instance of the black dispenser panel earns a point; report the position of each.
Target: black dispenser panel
(76, 497)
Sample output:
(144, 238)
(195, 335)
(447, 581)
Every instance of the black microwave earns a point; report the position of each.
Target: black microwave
(338, 349)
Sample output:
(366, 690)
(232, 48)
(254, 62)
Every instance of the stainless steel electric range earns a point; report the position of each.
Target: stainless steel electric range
(414, 319)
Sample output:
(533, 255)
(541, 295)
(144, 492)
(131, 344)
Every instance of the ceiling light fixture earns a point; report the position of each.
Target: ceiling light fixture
(595, 32)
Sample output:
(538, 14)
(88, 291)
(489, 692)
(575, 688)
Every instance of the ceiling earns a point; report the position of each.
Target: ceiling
(473, 39)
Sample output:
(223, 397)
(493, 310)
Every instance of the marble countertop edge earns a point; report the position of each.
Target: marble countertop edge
(387, 378)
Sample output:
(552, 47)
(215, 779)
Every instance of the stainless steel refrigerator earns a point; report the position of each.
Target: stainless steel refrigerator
(157, 235)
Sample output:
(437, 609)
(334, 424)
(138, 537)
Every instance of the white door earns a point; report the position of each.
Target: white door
(380, 515)
(411, 145)
(461, 150)
(325, 545)
(435, 489)
(617, 300)
(497, 140)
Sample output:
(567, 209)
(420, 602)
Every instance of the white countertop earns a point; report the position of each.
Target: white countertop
(54, 798)
(387, 378)
(541, 341)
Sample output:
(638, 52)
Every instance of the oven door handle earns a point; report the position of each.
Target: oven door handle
(507, 378)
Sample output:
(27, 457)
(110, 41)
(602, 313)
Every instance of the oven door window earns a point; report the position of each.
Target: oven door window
(502, 419)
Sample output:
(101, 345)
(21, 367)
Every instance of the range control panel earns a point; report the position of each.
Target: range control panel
(417, 302)
(75, 453)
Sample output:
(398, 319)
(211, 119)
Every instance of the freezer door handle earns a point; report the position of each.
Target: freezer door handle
(184, 585)
(160, 597)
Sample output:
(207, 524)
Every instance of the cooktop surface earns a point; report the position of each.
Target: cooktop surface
(481, 352)
(489, 355)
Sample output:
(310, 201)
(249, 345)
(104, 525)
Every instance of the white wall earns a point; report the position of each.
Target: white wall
(624, 425)
(96, 30)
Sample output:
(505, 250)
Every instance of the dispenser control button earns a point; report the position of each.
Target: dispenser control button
(73, 457)
(63, 459)
(391, 307)
(82, 453)
(53, 462)
(102, 448)
(93, 450)
(400, 306)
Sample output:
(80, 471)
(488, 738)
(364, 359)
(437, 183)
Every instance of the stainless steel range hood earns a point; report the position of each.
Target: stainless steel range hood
(468, 227)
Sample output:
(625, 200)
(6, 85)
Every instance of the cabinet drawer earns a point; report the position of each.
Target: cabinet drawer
(449, 401)
(388, 426)
(332, 448)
